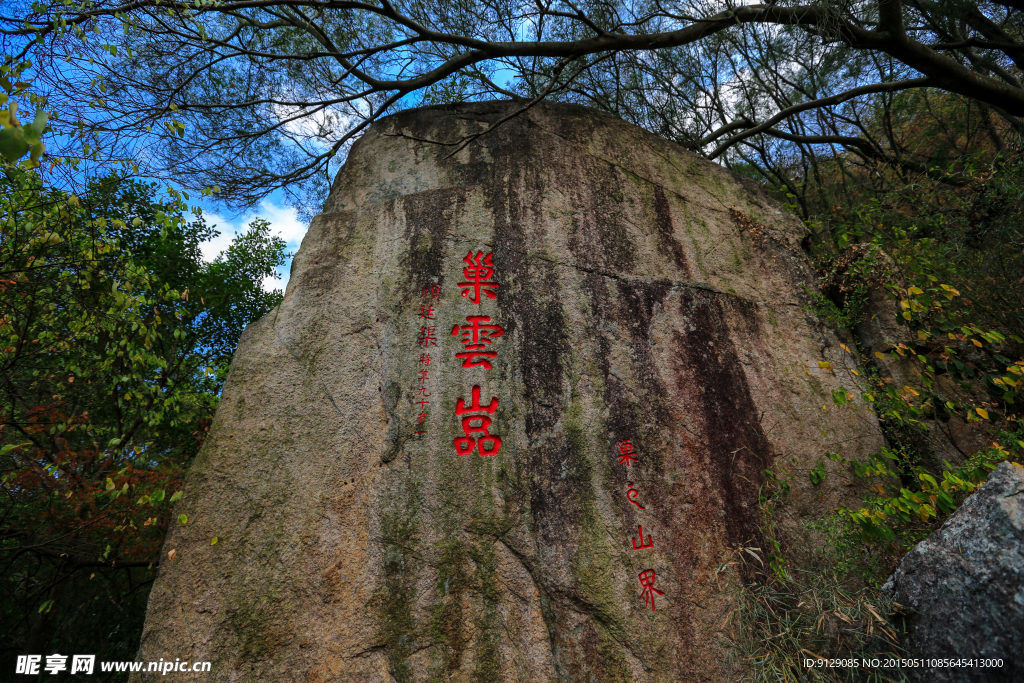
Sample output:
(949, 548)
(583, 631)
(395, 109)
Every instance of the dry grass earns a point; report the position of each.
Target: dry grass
(784, 618)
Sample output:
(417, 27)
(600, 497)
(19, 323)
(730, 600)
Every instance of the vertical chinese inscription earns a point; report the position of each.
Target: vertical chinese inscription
(627, 456)
(426, 339)
(476, 336)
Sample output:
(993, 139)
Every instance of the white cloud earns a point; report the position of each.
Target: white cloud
(212, 248)
(284, 222)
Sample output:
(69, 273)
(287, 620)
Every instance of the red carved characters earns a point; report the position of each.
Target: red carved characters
(649, 543)
(632, 494)
(464, 445)
(426, 338)
(478, 272)
(626, 454)
(424, 376)
(475, 337)
(647, 578)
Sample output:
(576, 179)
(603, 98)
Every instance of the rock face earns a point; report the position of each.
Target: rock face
(965, 585)
(651, 357)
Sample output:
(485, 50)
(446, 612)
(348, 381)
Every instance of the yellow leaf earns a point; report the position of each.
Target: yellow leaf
(214, 541)
(844, 347)
(879, 354)
(915, 290)
(824, 365)
(982, 412)
(911, 391)
(921, 334)
(855, 372)
(976, 342)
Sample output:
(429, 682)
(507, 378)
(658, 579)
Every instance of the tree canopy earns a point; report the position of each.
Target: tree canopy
(252, 95)
(115, 338)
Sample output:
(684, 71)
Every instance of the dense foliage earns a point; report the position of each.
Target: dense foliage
(252, 95)
(115, 339)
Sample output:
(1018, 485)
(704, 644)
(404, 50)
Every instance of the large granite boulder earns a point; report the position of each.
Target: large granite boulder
(964, 586)
(617, 338)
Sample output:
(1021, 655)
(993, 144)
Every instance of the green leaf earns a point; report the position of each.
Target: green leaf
(183, 518)
(13, 144)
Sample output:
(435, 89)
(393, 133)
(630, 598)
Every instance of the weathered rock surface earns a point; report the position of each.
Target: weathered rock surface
(637, 304)
(965, 585)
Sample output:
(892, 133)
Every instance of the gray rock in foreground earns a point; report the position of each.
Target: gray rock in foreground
(965, 585)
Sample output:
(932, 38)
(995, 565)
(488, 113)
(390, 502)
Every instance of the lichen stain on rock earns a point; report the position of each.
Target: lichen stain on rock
(666, 231)
(429, 228)
(733, 450)
(395, 601)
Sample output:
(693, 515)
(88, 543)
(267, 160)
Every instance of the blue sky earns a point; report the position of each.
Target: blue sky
(284, 222)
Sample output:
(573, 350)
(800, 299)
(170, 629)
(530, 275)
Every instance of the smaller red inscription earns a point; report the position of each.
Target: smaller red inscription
(431, 292)
(427, 311)
(479, 270)
(626, 454)
(424, 376)
(632, 494)
(427, 337)
(425, 359)
(649, 542)
(647, 579)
